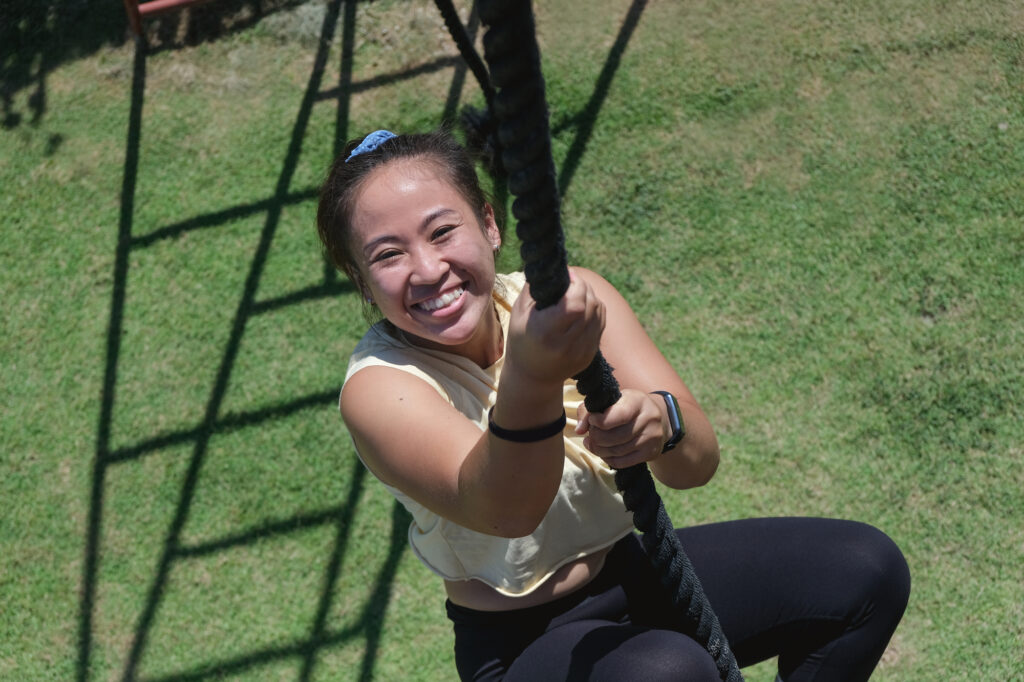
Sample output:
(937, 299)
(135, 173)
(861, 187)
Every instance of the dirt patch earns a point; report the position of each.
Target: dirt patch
(899, 654)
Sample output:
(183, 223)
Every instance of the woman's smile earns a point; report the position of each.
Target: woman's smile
(443, 304)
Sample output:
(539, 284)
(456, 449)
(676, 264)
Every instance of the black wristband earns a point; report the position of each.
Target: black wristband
(526, 435)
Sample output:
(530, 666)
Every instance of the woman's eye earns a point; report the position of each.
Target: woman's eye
(385, 256)
(442, 231)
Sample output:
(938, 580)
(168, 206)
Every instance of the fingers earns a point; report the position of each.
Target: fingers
(578, 314)
(628, 433)
(634, 456)
(629, 460)
(620, 416)
(561, 339)
(642, 448)
(582, 419)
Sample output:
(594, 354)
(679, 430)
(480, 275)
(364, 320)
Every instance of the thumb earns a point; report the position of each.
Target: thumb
(582, 420)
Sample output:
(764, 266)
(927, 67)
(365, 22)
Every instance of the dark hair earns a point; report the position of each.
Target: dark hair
(345, 178)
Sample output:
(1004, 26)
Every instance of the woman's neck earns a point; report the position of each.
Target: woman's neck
(491, 345)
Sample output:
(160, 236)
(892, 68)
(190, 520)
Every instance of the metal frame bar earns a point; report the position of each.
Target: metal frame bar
(136, 10)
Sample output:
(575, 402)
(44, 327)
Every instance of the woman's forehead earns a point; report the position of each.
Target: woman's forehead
(405, 170)
(405, 178)
(407, 186)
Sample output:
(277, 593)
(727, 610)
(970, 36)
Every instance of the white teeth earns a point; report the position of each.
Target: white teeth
(441, 301)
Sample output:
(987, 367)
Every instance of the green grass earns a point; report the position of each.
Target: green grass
(816, 209)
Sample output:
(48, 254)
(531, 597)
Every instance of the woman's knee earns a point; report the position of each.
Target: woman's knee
(881, 567)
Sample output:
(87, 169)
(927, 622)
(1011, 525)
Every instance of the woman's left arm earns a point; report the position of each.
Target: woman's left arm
(636, 427)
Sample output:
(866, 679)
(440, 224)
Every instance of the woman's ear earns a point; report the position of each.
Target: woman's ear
(491, 227)
(355, 277)
(364, 291)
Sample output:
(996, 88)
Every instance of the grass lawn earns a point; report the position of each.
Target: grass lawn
(817, 208)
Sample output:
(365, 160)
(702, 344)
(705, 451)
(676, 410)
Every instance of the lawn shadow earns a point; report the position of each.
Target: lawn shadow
(213, 422)
(369, 622)
(585, 119)
(38, 36)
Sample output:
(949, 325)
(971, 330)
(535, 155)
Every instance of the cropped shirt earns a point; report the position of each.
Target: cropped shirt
(586, 515)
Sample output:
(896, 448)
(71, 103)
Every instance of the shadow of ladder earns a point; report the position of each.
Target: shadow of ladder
(370, 623)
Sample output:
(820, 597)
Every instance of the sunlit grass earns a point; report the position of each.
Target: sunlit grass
(816, 209)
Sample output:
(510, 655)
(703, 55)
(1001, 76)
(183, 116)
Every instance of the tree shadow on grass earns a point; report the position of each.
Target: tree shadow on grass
(38, 36)
(369, 623)
(207, 21)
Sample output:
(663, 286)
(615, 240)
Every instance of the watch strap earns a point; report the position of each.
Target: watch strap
(675, 420)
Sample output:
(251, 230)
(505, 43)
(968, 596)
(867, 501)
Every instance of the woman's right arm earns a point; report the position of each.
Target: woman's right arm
(414, 440)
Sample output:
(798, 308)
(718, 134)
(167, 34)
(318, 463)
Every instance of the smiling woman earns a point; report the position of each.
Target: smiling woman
(461, 403)
(425, 258)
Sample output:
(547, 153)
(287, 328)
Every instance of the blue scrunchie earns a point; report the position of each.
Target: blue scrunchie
(371, 142)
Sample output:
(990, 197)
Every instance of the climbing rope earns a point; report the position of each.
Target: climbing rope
(517, 102)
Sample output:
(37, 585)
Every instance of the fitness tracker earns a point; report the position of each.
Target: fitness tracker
(675, 420)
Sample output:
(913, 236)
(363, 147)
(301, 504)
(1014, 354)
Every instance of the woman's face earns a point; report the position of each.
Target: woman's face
(425, 259)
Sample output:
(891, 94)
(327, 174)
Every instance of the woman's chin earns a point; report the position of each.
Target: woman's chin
(451, 338)
(450, 332)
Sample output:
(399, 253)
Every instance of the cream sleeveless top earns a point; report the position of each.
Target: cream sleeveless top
(586, 515)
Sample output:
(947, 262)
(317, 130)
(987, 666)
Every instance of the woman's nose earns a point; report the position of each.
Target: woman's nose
(428, 267)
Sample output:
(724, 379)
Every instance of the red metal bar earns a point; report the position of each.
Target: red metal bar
(137, 10)
(159, 6)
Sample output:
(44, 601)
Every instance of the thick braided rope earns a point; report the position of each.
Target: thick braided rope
(469, 54)
(511, 51)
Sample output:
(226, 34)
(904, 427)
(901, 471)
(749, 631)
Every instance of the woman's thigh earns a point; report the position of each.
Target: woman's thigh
(823, 594)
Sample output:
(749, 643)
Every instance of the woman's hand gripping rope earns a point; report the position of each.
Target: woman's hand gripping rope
(559, 341)
(629, 432)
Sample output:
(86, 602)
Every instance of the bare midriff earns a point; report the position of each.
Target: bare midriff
(477, 595)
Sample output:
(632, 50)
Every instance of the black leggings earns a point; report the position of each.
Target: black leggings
(823, 595)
